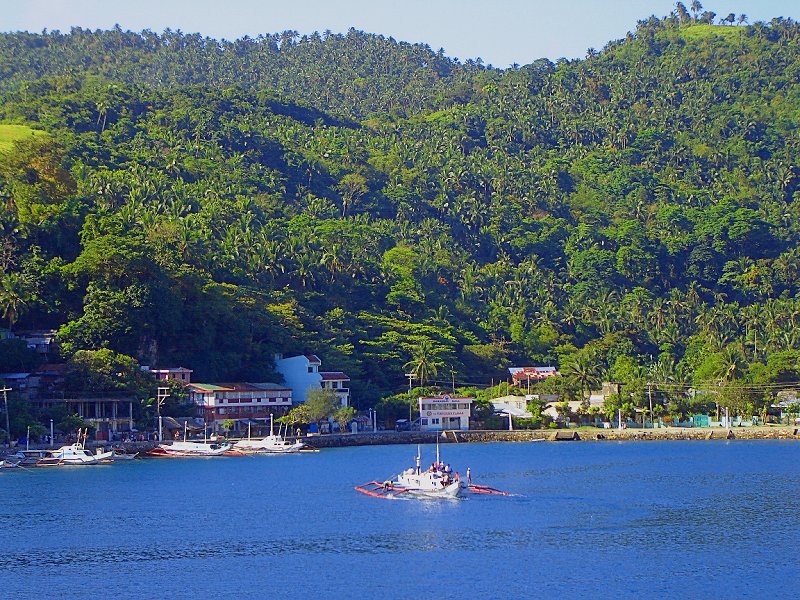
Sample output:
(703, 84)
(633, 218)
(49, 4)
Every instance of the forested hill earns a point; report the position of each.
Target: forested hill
(631, 216)
(357, 74)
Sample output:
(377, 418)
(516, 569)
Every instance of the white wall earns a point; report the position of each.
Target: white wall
(295, 373)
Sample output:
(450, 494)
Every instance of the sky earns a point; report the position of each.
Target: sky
(501, 32)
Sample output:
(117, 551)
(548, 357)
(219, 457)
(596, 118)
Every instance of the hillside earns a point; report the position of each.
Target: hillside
(631, 216)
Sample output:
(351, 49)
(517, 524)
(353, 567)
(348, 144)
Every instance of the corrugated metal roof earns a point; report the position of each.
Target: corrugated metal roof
(208, 387)
(334, 376)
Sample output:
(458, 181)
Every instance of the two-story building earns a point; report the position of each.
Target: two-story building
(437, 413)
(525, 376)
(240, 402)
(302, 374)
(179, 374)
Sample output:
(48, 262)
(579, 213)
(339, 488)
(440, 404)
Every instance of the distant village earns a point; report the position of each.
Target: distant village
(234, 408)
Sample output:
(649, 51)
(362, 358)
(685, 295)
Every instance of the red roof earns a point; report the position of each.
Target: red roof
(313, 359)
(334, 376)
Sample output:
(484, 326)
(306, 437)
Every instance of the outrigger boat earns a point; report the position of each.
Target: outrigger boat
(272, 444)
(187, 448)
(435, 483)
(118, 456)
(77, 454)
(29, 458)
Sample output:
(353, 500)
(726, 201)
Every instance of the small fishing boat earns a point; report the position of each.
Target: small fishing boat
(191, 448)
(119, 455)
(272, 444)
(211, 448)
(76, 454)
(29, 458)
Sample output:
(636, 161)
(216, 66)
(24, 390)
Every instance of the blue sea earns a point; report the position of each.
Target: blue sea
(585, 519)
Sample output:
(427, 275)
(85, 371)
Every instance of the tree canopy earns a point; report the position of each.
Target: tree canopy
(210, 203)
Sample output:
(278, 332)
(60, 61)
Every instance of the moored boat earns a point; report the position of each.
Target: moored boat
(29, 458)
(186, 448)
(115, 456)
(76, 454)
(271, 444)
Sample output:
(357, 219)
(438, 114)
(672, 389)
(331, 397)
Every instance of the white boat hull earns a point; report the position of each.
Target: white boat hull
(194, 449)
(271, 444)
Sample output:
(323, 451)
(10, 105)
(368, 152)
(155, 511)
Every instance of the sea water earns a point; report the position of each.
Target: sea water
(588, 519)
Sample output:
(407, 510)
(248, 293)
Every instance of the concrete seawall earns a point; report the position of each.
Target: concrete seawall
(672, 433)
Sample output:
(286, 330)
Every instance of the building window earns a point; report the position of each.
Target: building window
(335, 384)
(435, 421)
(424, 421)
(310, 369)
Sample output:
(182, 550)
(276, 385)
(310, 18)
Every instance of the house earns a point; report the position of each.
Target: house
(444, 412)
(574, 406)
(50, 377)
(179, 374)
(22, 383)
(336, 381)
(109, 413)
(608, 388)
(302, 374)
(516, 406)
(524, 376)
(241, 402)
(41, 340)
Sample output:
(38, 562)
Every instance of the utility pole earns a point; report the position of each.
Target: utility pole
(410, 399)
(5, 391)
(163, 394)
(650, 397)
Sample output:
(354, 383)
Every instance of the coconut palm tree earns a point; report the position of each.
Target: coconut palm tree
(424, 363)
(12, 297)
(584, 371)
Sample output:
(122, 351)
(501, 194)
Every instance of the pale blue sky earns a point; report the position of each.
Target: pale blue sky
(501, 32)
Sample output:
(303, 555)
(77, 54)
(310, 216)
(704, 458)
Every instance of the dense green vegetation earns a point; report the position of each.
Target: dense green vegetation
(631, 216)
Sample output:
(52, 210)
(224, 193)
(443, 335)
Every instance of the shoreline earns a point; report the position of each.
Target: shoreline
(384, 438)
(552, 435)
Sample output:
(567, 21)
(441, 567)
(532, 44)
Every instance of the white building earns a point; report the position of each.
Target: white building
(444, 412)
(516, 406)
(240, 402)
(179, 374)
(302, 374)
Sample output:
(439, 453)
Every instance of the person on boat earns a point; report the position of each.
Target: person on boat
(448, 469)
